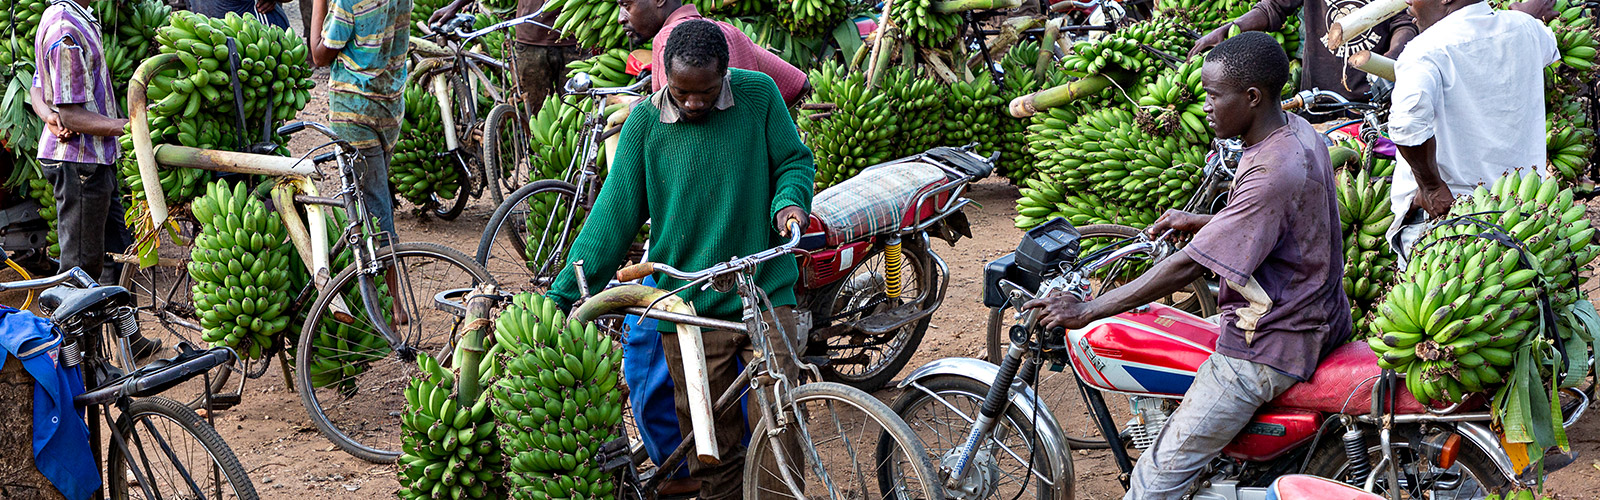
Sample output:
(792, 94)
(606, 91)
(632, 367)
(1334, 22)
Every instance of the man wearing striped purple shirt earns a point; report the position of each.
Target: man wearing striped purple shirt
(78, 152)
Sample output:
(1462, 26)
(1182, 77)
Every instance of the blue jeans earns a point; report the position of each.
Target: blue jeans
(373, 173)
(1226, 393)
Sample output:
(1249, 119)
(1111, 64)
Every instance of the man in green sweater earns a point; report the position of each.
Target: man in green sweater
(713, 160)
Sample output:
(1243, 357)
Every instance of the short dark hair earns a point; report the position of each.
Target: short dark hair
(1252, 59)
(697, 43)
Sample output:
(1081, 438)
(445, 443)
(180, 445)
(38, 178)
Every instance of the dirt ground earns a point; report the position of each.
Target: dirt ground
(287, 458)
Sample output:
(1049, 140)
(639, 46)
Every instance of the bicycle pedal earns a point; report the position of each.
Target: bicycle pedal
(225, 401)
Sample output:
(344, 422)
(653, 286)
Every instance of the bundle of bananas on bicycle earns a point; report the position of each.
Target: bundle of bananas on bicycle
(448, 439)
(240, 266)
(592, 22)
(421, 10)
(734, 8)
(606, 69)
(922, 22)
(1466, 312)
(343, 350)
(558, 400)
(1369, 264)
(420, 171)
(1139, 50)
(811, 18)
(1366, 160)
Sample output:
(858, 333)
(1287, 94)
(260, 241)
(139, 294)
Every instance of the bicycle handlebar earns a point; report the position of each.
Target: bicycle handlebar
(642, 269)
(1322, 102)
(583, 84)
(292, 128)
(81, 278)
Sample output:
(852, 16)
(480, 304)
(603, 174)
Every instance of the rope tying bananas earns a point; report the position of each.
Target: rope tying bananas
(419, 170)
(241, 270)
(558, 401)
(450, 450)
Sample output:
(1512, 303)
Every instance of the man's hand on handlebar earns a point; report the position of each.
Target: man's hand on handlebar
(1062, 310)
(791, 215)
(1179, 221)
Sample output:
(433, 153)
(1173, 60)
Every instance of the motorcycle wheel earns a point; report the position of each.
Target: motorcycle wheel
(867, 362)
(1474, 472)
(942, 422)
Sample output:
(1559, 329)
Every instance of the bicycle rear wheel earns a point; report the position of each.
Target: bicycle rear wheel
(865, 361)
(176, 454)
(450, 208)
(348, 376)
(526, 242)
(847, 438)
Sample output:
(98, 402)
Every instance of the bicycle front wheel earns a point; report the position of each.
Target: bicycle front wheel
(526, 242)
(505, 152)
(348, 376)
(846, 439)
(174, 454)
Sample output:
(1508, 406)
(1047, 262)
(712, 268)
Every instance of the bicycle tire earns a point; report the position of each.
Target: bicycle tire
(226, 463)
(914, 459)
(499, 184)
(450, 208)
(380, 428)
(903, 341)
(506, 234)
(1018, 422)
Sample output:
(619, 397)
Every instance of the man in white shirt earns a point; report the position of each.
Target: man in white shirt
(1468, 106)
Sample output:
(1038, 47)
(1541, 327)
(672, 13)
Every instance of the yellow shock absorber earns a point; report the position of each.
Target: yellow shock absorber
(895, 261)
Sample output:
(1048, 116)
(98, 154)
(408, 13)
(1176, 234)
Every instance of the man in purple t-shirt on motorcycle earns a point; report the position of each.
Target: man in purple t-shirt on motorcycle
(1276, 247)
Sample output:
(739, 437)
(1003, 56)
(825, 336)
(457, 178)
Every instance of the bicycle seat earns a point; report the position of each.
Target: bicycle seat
(62, 303)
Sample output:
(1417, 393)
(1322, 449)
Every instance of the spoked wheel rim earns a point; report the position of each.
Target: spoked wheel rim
(859, 359)
(524, 247)
(1001, 467)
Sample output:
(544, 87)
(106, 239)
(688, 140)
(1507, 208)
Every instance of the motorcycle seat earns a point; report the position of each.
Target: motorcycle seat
(62, 303)
(1343, 384)
(877, 201)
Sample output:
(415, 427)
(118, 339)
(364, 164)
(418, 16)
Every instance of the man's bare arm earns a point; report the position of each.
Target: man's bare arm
(321, 55)
(1433, 195)
(77, 119)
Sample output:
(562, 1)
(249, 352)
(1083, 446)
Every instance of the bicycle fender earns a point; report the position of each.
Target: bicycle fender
(1022, 396)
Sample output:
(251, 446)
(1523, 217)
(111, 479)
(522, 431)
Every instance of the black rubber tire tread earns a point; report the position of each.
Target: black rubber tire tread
(868, 405)
(886, 371)
(449, 209)
(500, 115)
(197, 427)
(302, 372)
(502, 212)
(1020, 419)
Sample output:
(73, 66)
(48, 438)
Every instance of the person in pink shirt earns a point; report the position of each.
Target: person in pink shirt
(652, 21)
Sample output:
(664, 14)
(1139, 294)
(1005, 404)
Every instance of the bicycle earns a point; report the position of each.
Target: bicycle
(455, 76)
(159, 442)
(789, 408)
(533, 252)
(342, 356)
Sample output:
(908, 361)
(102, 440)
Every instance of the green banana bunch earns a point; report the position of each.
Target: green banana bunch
(418, 171)
(919, 105)
(273, 69)
(42, 191)
(21, 19)
(855, 129)
(1205, 15)
(1519, 495)
(1466, 304)
(450, 447)
(557, 401)
(501, 8)
(1174, 105)
(1574, 28)
(1139, 49)
(240, 268)
(1017, 66)
(811, 18)
(922, 25)
(728, 9)
(1369, 264)
(1367, 160)
(592, 22)
(557, 132)
(609, 69)
(179, 185)
(972, 115)
(494, 43)
(1569, 137)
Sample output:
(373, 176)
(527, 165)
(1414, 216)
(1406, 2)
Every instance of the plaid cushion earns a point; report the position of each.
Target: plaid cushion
(874, 202)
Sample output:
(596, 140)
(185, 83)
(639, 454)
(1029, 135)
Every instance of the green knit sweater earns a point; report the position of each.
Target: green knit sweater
(710, 190)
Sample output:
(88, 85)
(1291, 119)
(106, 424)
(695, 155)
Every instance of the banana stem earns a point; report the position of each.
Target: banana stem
(879, 46)
(954, 6)
(1360, 20)
(143, 151)
(1028, 105)
(1373, 64)
(470, 352)
(689, 343)
(1052, 31)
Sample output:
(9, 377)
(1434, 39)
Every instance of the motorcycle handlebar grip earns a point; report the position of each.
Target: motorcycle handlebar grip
(291, 127)
(636, 271)
(1293, 103)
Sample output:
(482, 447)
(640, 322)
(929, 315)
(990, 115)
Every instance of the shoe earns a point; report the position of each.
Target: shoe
(144, 348)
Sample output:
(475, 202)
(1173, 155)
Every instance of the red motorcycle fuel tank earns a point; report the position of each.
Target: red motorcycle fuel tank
(1150, 352)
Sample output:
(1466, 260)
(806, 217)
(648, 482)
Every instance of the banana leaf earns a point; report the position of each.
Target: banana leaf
(19, 127)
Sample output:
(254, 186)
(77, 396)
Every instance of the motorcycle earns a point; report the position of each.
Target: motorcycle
(1351, 422)
(869, 278)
